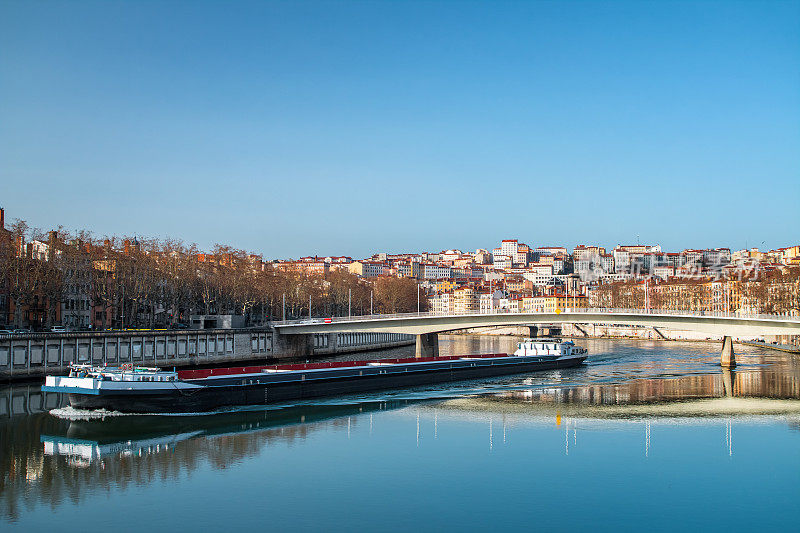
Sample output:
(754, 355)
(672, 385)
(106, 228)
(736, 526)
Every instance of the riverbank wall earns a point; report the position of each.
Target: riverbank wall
(37, 355)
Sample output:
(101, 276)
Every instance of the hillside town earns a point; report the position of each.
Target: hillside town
(66, 281)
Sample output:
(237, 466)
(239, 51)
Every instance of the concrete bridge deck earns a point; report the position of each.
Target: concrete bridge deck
(422, 323)
(427, 325)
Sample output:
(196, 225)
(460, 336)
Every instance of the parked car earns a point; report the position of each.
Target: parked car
(22, 331)
(6, 332)
(58, 329)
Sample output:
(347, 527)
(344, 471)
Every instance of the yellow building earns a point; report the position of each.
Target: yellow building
(515, 305)
(465, 300)
(549, 304)
(446, 285)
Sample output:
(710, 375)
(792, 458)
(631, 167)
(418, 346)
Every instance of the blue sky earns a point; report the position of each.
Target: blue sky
(294, 128)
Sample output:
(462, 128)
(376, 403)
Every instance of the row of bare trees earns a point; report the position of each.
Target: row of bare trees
(147, 283)
(776, 292)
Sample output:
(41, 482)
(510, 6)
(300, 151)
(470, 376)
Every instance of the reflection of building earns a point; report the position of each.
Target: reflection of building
(767, 383)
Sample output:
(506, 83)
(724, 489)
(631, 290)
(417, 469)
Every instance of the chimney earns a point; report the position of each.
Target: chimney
(2, 218)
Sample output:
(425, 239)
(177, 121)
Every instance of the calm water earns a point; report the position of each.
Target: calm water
(647, 435)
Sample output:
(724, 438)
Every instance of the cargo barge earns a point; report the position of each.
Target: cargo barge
(130, 389)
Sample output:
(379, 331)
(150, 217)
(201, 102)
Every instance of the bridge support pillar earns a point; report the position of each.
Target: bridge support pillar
(533, 331)
(727, 382)
(428, 345)
(727, 358)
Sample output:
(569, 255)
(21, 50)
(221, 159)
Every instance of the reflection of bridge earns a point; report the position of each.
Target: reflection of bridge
(427, 325)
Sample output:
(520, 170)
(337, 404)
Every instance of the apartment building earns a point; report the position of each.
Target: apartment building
(369, 269)
(442, 304)
(509, 247)
(503, 261)
(664, 271)
(434, 271)
(408, 269)
(450, 255)
(716, 256)
(515, 283)
(553, 303)
(489, 302)
(465, 300)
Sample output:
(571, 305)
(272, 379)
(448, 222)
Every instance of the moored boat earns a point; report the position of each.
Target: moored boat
(151, 390)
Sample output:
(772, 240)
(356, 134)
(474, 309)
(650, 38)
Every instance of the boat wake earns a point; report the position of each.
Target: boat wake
(70, 413)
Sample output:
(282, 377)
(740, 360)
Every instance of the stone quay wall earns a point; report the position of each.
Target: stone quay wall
(37, 355)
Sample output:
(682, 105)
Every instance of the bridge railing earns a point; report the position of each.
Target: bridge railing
(566, 310)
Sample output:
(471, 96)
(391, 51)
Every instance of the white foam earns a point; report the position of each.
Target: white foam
(70, 413)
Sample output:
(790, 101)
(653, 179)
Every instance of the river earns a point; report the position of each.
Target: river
(647, 435)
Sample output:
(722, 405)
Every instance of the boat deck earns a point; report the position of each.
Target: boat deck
(204, 373)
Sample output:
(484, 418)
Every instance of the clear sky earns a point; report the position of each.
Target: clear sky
(294, 128)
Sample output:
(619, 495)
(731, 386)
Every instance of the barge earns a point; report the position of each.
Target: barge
(130, 389)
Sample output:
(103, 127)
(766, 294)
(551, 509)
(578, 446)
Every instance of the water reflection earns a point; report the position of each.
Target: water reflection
(761, 390)
(52, 460)
(45, 460)
(760, 383)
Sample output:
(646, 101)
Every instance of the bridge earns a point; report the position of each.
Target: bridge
(427, 326)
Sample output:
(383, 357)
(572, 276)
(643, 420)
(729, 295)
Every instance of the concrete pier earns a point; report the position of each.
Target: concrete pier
(728, 379)
(428, 345)
(727, 358)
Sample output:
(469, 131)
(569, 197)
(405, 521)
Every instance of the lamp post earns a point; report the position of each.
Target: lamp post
(349, 303)
(284, 307)
(370, 303)
(418, 299)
